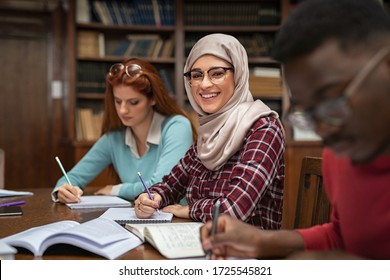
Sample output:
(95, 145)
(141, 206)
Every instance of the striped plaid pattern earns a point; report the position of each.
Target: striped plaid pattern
(249, 186)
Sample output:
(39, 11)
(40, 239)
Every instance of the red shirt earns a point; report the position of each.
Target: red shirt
(360, 198)
(249, 185)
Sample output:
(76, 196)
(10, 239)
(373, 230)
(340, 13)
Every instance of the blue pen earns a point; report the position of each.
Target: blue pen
(214, 224)
(12, 203)
(146, 188)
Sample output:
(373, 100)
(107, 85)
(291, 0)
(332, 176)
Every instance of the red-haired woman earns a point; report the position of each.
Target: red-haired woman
(144, 131)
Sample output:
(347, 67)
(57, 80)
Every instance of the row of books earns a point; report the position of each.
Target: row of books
(256, 44)
(91, 77)
(92, 43)
(130, 12)
(144, 45)
(88, 124)
(232, 13)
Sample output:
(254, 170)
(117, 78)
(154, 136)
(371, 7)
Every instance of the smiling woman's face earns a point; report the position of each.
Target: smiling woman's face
(212, 97)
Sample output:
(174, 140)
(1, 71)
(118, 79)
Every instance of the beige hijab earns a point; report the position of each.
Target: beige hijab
(221, 134)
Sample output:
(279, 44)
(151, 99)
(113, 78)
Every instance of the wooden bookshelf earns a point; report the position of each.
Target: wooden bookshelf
(100, 34)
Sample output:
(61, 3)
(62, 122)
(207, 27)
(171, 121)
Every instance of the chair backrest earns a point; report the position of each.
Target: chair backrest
(2, 164)
(313, 206)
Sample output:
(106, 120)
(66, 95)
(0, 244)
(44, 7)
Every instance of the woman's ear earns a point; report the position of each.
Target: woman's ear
(152, 102)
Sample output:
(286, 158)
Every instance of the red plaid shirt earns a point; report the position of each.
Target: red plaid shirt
(249, 185)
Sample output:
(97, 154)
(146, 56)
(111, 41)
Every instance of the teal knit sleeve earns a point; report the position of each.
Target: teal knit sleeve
(175, 140)
(97, 158)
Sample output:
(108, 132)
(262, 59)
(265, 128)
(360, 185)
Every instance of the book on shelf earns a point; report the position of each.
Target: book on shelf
(265, 82)
(121, 47)
(90, 43)
(172, 240)
(204, 12)
(90, 76)
(142, 44)
(127, 215)
(82, 11)
(99, 201)
(167, 81)
(156, 12)
(101, 236)
(167, 48)
(156, 50)
(141, 12)
(102, 12)
(88, 124)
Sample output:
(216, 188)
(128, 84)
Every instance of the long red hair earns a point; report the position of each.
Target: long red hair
(148, 83)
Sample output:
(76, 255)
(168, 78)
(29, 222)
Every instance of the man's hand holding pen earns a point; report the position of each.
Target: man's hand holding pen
(145, 207)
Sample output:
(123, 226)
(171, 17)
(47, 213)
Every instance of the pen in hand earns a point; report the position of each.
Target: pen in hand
(146, 188)
(214, 225)
(64, 172)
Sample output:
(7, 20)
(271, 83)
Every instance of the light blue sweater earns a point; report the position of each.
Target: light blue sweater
(176, 138)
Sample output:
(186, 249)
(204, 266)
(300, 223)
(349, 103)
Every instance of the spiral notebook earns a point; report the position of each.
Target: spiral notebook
(127, 216)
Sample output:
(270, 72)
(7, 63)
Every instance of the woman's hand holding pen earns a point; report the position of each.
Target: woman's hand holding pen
(69, 194)
(145, 207)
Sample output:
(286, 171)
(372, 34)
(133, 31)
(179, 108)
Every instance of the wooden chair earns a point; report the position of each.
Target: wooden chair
(313, 206)
(2, 164)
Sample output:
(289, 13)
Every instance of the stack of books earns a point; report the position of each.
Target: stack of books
(266, 82)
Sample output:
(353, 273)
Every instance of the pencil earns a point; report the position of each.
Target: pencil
(63, 171)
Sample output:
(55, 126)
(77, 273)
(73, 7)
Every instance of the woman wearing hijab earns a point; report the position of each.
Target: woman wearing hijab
(238, 157)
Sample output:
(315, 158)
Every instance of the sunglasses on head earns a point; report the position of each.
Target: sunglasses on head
(131, 70)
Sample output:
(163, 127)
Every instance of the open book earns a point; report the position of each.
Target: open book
(127, 216)
(172, 240)
(100, 236)
(99, 201)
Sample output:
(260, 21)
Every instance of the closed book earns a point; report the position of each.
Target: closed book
(89, 43)
(99, 201)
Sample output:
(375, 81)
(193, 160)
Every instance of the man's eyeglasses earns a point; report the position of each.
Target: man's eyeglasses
(215, 74)
(335, 111)
(131, 70)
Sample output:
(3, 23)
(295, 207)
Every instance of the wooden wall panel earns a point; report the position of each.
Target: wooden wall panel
(30, 120)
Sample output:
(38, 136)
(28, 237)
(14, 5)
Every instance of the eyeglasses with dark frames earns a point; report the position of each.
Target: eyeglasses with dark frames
(215, 74)
(335, 111)
(131, 70)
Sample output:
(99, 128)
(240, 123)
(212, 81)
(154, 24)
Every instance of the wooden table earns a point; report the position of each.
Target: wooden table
(40, 210)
